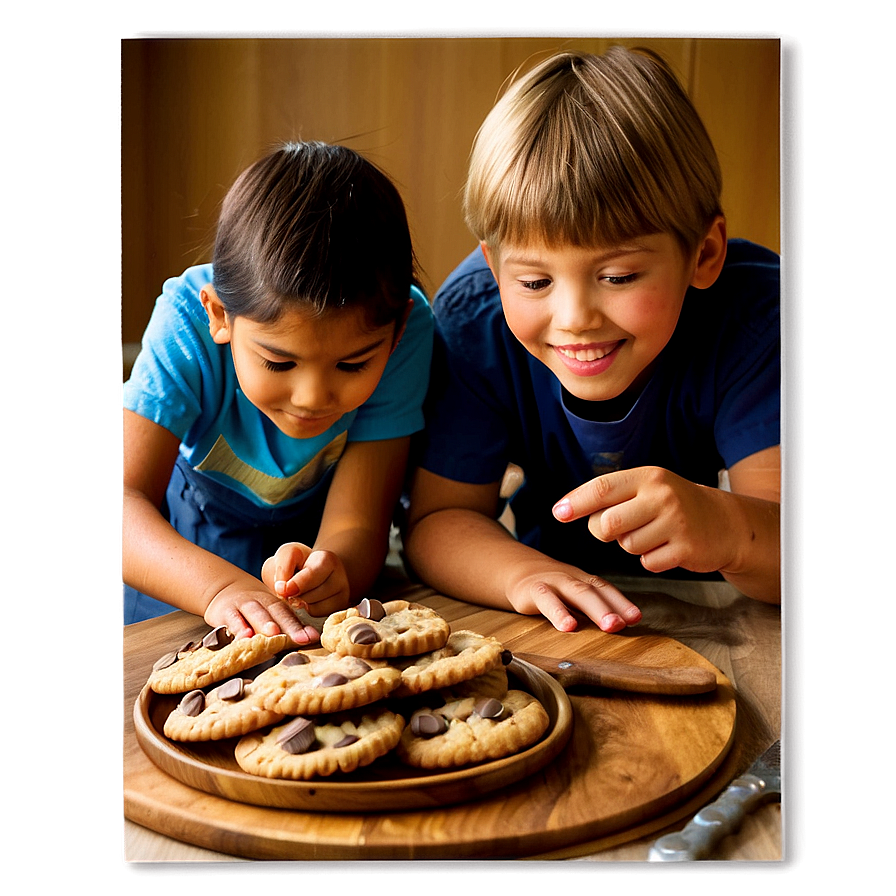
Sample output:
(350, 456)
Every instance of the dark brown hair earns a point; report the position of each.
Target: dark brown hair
(313, 225)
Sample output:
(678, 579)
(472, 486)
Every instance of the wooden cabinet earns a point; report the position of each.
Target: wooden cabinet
(195, 112)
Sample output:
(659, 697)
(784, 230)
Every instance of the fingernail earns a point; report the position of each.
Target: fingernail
(612, 622)
(563, 510)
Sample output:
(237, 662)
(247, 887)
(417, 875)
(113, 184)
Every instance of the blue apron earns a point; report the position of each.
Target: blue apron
(229, 525)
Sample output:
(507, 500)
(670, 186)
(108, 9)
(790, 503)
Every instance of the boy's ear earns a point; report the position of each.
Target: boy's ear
(488, 260)
(711, 254)
(218, 321)
(400, 325)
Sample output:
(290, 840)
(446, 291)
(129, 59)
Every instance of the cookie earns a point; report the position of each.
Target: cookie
(377, 630)
(465, 655)
(305, 684)
(229, 710)
(306, 748)
(493, 683)
(217, 656)
(473, 729)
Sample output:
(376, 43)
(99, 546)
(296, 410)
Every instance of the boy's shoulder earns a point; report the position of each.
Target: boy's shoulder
(744, 256)
(468, 292)
(749, 286)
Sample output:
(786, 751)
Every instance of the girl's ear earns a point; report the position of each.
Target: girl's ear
(218, 321)
(711, 255)
(401, 324)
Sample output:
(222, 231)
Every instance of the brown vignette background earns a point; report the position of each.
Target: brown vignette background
(60, 354)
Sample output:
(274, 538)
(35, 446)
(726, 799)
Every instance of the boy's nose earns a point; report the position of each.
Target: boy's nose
(576, 310)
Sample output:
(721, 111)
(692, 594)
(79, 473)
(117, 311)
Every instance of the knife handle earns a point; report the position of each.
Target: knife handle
(625, 677)
(714, 822)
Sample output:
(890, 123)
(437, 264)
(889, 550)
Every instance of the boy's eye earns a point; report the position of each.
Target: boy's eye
(619, 279)
(277, 366)
(535, 284)
(352, 366)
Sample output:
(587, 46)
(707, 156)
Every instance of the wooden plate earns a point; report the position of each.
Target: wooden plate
(383, 786)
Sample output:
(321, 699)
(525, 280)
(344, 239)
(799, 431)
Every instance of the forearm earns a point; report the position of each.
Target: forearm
(163, 564)
(756, 567)
(362, 552)
(466, 555)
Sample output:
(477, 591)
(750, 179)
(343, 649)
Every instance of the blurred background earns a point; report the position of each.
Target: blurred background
(195, 112)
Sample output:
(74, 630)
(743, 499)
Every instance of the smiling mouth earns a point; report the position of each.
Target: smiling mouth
(587, 353)
(311, 418)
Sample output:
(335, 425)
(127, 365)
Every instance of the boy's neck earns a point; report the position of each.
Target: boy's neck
(608, 411)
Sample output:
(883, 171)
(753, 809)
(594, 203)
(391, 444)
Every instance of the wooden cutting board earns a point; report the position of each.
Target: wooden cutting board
(630, 758)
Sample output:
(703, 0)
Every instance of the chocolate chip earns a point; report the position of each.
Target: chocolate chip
(428, 724)
(192, 704)
(297, 737)
(362, 634)
(347, 741)
(330, 680)
(488, 708)
(295, 659)
(164, 662)
(230, 690)
(217, 638)
(358, 668)
(370, 608)
(506, 657)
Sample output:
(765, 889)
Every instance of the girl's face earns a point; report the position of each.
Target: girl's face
(304, 371)
(597, 317)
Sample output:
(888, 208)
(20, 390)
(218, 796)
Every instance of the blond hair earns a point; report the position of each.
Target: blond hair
(593, 150)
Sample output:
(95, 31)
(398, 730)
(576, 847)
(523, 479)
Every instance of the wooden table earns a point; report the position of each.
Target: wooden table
(740, 637)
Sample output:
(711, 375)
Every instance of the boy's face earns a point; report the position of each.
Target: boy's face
(597, 317)
(304, 372)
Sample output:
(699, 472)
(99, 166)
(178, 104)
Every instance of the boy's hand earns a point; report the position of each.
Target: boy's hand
(246, 612)
(315, 580)
(555, 592)
(667, 520)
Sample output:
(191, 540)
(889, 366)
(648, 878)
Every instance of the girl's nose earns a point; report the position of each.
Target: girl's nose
(311, 391)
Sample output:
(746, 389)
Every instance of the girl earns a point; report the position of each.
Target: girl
(274, 399)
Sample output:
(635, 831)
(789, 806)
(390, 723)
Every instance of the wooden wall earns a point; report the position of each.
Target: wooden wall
(195, 112)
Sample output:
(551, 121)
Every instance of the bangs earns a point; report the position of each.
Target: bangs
(577, 155)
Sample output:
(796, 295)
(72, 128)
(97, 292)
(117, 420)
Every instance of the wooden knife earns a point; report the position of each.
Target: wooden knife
(678, 680)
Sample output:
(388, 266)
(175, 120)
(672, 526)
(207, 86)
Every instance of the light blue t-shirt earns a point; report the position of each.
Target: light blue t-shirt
(185, 382)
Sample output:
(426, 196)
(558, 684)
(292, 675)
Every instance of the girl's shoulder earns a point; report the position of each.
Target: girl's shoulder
(183, 292)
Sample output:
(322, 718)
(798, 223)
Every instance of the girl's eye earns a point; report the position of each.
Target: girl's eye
(535, 284)
(352, 366)
(618, 280)
(277, 366)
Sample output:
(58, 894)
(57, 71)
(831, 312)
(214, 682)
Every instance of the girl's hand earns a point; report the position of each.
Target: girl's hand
(246, 612)
(665, 519)
(555, 590)
(314, 580)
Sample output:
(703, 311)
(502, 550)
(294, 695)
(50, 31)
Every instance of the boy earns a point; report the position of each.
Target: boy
(609, 340)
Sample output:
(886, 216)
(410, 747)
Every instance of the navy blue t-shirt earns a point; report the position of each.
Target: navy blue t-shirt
(713, 399)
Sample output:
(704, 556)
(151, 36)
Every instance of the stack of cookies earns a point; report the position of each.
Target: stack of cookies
(389, 678)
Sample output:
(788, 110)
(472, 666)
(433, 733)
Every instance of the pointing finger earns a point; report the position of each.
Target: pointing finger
(593, 495)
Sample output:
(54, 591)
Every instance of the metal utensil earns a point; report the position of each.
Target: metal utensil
(760, 784)
(679, 680)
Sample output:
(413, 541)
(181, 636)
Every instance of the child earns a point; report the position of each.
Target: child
(274, 399)
(609, 340)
